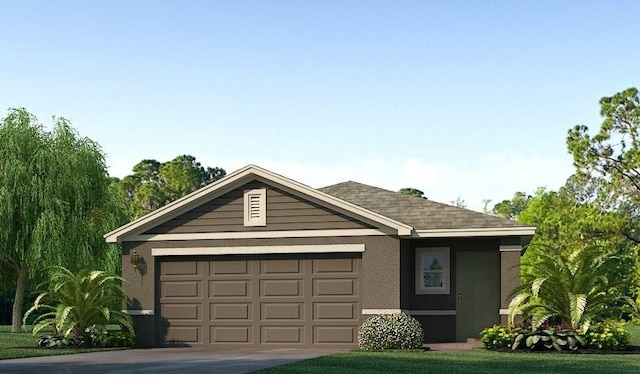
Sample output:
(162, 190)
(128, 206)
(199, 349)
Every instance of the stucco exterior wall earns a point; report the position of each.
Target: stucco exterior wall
(380, 281)
(437, 328)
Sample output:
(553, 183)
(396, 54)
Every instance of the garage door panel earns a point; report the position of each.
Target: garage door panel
(235, 288)
(333, 311)
(280, 287)
(230, 311)
(334, 287)
(279, 311)
(282, 334)
(228, 268)
(182, 311)
(232, 334)
(182, 289)
(280, 266)
(180, 268)
(339, 265)
(180, 335)
(335, 335)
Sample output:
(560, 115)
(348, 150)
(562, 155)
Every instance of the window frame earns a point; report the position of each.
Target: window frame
(445, 252)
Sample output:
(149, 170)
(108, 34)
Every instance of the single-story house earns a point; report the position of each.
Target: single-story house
(259, 259)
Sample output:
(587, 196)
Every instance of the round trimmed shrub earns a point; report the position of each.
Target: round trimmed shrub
(390, 331)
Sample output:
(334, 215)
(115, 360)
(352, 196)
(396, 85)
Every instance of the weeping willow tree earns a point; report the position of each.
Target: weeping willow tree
(55, 203)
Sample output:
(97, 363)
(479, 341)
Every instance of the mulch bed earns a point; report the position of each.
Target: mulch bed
(631, 349)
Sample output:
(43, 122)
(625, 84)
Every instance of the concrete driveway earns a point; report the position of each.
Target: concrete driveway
(161, 360)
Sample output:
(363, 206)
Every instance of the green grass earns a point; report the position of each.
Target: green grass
(635, 334)
(475, 361)
(23, 344)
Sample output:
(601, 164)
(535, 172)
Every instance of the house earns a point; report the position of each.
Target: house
(259, 259)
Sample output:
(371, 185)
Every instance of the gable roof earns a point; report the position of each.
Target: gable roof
(425, 216)
(243, 176)
(392, 212)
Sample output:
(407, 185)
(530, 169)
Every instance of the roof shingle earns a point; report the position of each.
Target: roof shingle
(420, 213)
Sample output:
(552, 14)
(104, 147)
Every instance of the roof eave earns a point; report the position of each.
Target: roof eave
(476, 232)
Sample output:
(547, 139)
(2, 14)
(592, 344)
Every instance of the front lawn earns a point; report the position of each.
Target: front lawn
(19, 345)
(475, 361)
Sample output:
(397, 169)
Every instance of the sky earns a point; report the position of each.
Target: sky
(460, 99)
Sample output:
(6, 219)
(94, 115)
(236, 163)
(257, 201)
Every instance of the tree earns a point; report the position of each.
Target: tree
(610, 160)
(570, 286)
(563, 222)
(412, 191)
(459, 203)
(154, 184)
(511, 209)
(55, 203)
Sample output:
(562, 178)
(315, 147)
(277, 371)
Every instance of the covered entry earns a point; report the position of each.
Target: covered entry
(246, 301)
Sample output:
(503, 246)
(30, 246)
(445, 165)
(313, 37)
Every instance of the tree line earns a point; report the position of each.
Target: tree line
(57, 199)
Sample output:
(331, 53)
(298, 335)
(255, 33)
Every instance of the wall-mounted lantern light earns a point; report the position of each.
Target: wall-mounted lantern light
(134, 257)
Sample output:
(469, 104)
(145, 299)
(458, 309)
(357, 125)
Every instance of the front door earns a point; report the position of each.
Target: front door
(477, 292)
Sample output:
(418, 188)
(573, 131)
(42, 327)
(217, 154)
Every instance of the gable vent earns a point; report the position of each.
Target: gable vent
(255, 207)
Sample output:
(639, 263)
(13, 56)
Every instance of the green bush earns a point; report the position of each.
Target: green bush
(498, 336)
(548, 339)
(72, 304)
(608, 336)
(101, 337)
(390, 331)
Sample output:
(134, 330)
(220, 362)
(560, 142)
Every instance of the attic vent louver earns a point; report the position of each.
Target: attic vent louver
(255, 207)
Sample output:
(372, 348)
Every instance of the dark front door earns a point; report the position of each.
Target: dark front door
(477, 292)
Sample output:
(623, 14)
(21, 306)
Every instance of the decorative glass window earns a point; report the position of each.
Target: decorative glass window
(255, 207)
(432, 271)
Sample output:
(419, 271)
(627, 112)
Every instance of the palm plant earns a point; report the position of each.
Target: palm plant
(570, 287)
(74, 303)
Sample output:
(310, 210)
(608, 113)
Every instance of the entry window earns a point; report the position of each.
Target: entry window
(432, 271)
(255, 207)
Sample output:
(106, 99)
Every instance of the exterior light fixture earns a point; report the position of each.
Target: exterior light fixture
(134, 257)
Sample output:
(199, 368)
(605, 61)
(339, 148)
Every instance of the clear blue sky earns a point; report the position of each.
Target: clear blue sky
(456, 98)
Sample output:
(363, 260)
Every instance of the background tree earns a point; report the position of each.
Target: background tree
(154, 184)
(412, 191)
(459, 203)
(610, 160)
(563, 222)
(55, 203)
(511, 209)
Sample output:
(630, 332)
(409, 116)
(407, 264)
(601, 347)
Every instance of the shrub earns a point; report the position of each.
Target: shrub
(56, 342)
(101, 337)
(390, 331)
(74, 303)
(608, 336)
(571, 286)
(498, 336)
(547, 339)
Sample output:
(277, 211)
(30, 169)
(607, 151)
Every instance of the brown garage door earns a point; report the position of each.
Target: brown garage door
(228, 302)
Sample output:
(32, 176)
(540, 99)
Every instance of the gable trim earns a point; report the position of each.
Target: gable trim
(235, 180)
(254, 235)
(448, 233)
(258, 250)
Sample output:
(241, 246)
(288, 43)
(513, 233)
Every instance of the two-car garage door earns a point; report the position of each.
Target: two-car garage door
(275, 300)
